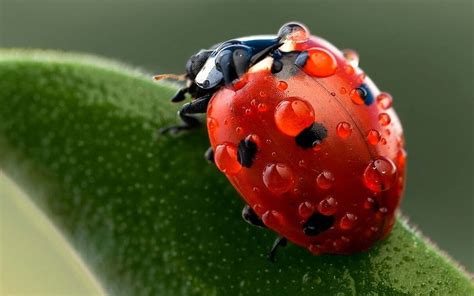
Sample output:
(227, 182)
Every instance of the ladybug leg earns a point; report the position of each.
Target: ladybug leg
(279, 242)
(196, 106)
(301, 59)
(209, 155)
(180, 95)
(251, 217)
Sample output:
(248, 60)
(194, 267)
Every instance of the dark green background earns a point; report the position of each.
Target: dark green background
(419, 51)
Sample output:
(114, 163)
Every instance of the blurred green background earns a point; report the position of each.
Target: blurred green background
(419, 51)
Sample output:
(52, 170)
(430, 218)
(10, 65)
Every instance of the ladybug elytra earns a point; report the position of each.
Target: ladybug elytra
(306, 138)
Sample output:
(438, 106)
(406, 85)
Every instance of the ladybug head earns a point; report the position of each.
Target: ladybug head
(196, 62)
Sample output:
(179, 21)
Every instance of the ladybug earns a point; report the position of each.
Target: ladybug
(303, 134)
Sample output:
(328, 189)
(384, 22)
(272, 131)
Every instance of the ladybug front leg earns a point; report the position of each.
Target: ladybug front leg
(279, 242)
(209, 155)
(251, 217)
(197, 106)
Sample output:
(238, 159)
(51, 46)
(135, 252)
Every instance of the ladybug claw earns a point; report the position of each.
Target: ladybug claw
(279, 242)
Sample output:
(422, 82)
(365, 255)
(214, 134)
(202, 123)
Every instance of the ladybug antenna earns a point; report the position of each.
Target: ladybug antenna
(170, 76)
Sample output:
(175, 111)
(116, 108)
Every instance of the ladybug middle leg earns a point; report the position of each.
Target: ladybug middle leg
(252, 218)
(196, 106)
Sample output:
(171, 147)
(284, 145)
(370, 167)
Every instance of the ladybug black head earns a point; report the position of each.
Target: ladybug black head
(196, 62)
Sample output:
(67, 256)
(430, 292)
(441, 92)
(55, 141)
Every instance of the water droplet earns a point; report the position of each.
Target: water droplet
(320, 63)
(262, 94)
(343, 90)
(325, 180)
(344, 129)
(255, 189)
(302, 163)
(294, 32)
(278, 178)
(273, 219)
(248, 111)
(282, 85)
(383, 210)
(305, 209)
(383, 141)
(328, 206)
(254, 138)
(384, 100)
(349, 69)
(268, 141)
(358, 95)
(274, 154)
(239, 130)
(369, 203)
(388, 132)
(384, 119)
(380, 174)
(262, 107)
(253, 103)
(351, 57)
(225, 157)
(348, 221)
(259, 209)
(315, 249)
(373, 137)
(293, 115)
(239, 84)
(211, 123)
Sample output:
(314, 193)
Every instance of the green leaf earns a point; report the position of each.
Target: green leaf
(148, 214)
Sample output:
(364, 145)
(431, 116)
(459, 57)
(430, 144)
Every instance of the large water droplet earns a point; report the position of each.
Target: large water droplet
(344, 129)
(373, 137)
(225, 158)
(380, 174)
(320, 63)
(351, 57)
(278, 178)
(328, 206)
(294, 32)
(282, 85)
(325, 180)
(293, 115)
(384, 100)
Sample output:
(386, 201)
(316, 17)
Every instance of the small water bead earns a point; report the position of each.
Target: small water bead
(262, 107)
(343, 90)
(253, 103)
(373, 137)
(294, 32)
(262, 94)
(384, 100)
(248, 111)
(259, 209)
(369, 203)
(254, 138)
(282, 85)
(320, 63)
(211, 123)
(239, 130)
(333, 94)
(349, 70)
(293, 115)
(387, 132)
(305, 209)
(351, 57)
(302, 163)
(348, 221)
(328, 206)
(278, 178)
(325, 180)
(239, 84)
(315, 249)
(273, 218)
(344, 129)
(383, 141)
(380, 174)
(384, 119)
(225, 158)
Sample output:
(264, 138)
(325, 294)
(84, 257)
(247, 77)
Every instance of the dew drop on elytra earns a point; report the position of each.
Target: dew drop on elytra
(351, 57)
(384, 100)
(225, 158)
(325, 180)
(373, 137)
(328, 206)
(293, 115)
(305, 209)
(380, 174)
(344, 129)
(278, 178)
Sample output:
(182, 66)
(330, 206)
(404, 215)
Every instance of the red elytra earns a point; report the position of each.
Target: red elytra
(351, 175)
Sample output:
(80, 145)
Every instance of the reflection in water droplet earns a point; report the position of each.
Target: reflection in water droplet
(380, 174)
(294, 32)
(384, 100)
(320, 63)
(278, 178)
(305, 209)
(358, 95)
(225, 158)
(328, 206)
(293, 115)
(325, 180)
(384, 119)
(373, 137)
(344, 129)
(351, 57)
(348, 221)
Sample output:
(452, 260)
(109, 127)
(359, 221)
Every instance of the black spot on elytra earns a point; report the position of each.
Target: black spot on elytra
(311, 136)
(365, 94)
(317, 224)
(246, 152)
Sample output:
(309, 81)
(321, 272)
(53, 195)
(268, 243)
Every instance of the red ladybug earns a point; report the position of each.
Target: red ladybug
(307, 139)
